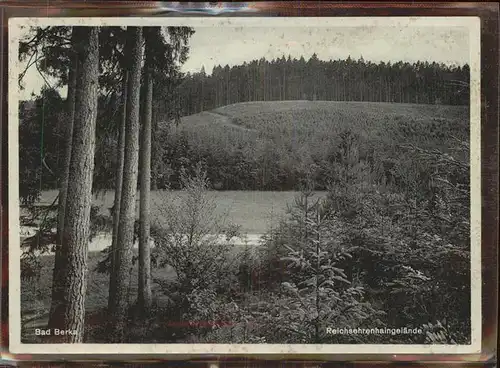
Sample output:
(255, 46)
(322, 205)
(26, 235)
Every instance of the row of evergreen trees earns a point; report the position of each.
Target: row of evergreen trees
(334, 80)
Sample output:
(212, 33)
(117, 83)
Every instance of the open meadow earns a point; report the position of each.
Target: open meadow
(254, 211)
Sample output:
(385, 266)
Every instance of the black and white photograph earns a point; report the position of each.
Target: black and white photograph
(244, 185)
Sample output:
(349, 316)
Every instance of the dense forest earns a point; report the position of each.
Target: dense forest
(234, 160)
(333, 80)
(386, 244)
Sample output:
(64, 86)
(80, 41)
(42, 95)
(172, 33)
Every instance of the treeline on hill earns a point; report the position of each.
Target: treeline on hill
(257, 146)
(258, 149)
(333, 80)
(280, 145)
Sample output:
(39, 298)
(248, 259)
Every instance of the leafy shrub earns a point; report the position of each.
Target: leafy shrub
(189, 241)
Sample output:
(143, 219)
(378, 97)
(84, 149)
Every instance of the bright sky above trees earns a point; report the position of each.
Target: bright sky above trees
(211, 46)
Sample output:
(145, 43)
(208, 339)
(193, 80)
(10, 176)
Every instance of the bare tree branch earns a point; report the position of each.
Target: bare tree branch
(43, 76)
(47, 166)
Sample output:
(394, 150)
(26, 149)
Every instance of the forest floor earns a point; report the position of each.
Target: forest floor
(35, 296)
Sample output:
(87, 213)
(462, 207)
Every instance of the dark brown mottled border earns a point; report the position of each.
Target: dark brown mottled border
(489, 14)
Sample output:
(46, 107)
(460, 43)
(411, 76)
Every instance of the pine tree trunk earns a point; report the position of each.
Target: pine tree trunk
(58, 275)
(145, 297)
(318, 273)
(125, 237)
(79, 196)
(118, 189)
(155, 155)
(284, 85)
(228, 97)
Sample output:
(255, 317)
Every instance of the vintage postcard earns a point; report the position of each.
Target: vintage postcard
(245, 185)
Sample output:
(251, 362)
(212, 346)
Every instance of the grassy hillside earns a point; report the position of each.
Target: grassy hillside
(274, 145)
(253, 108)
(301, 119)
